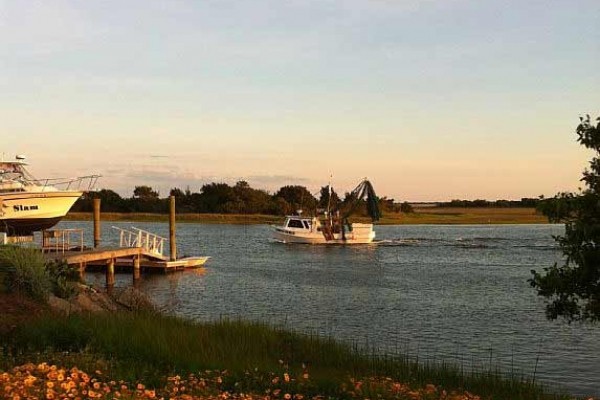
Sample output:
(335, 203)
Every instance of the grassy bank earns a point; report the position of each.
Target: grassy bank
(242, 357)
(431, 215)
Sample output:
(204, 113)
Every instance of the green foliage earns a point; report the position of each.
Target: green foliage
(145, 192)
(573, 289)
(298, 197)
(24, 271)
(62, 279)
(328, 198)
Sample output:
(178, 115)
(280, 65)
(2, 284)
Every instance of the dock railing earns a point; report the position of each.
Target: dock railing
(62, 240)
(140, 238)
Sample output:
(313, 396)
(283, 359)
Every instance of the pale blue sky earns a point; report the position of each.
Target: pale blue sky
(430, 99)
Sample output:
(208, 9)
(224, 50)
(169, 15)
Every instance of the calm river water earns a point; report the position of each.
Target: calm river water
(443, 293)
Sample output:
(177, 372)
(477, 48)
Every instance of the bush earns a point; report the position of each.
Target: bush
(406, 208)
(62, 278)
(24, 271)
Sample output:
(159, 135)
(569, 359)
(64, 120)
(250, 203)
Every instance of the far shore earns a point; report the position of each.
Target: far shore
(421, 216)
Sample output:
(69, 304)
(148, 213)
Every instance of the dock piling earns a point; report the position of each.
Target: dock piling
(110, 273)
(172, 243)
(97, 223)
(136, 268)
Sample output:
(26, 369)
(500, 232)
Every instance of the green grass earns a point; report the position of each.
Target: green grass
(151, 346)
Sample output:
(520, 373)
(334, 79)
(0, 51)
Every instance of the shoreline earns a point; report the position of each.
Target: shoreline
(421, 216)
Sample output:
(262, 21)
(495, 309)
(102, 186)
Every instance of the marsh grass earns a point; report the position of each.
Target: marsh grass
(23, 270)
(151, 346)
(425, 215)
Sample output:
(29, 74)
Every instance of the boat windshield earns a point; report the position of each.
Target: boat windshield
(295, 223)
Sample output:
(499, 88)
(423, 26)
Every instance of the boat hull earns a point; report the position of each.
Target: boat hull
(357, 236)
(26, 212)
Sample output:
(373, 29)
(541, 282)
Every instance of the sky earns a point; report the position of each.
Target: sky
(431, 100)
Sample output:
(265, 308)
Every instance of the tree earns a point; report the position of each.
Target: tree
(215, 196)
(328, 198)
(573, 289)
(145, 193)
(298, 197)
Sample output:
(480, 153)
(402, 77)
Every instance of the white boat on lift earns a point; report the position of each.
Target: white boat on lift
(28, 204)
(310, 230)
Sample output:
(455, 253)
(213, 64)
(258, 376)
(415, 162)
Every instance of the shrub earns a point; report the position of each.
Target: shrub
(24, 271)
(62, 278)
(406, 207)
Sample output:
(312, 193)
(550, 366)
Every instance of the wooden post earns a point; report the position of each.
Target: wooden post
(136, 268)
(82, 271)
(172, 243)
(110, 273)
(96, 223)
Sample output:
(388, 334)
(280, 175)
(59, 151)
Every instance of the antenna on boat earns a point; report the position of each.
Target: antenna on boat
(329, 195)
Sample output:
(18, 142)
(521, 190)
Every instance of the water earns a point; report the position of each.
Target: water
(443, 293)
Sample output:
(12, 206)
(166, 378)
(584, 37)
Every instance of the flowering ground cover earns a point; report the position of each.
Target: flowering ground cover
(44, 381)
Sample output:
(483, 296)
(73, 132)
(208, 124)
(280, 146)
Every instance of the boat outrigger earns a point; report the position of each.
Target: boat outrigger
(28, 204)
(334, 227)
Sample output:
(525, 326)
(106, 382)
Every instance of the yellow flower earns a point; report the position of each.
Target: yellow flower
(50, 385)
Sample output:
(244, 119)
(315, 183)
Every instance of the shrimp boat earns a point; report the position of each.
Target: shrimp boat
(333, 227)
(28, 204)
(310, 230)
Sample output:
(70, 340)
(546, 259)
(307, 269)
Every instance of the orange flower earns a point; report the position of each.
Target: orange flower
(429, 388)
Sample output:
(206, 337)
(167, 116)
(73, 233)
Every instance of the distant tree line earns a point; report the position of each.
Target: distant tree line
(221, 198)
(524, 202)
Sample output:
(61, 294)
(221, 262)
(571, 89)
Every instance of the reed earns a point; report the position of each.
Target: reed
(151, 346)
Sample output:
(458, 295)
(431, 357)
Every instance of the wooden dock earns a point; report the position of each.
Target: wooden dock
(125, 257)
(138, 250)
